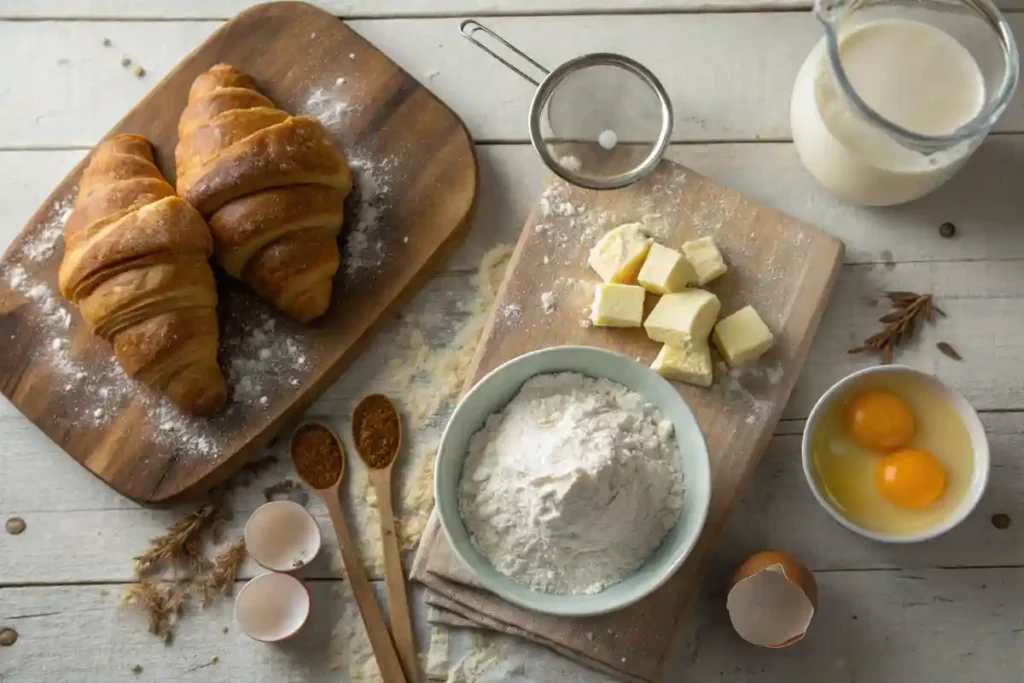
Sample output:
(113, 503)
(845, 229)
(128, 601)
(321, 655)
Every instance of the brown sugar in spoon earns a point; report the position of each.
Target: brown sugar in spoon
(319, 459)
(377, 434)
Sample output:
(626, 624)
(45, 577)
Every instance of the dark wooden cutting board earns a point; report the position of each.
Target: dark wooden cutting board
(416, 179)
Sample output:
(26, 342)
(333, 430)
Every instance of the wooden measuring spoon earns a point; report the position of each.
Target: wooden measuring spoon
(315, 468)
(378, 445)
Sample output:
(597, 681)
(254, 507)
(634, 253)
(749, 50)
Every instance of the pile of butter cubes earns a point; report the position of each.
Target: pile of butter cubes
(631, 264)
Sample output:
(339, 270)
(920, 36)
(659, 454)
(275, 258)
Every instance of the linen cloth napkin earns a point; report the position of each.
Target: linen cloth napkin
(632, 644)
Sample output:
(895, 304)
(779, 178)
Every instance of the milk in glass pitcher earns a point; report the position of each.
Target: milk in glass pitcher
(898, 94)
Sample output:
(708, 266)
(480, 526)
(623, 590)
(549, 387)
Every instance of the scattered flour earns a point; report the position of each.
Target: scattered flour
(442, 370)
(750, 385)
(262, 356)
(365, 248)
(484, 654)
(350, 646)
(549, 302)
(571, 163)
(436, 665)
(327, 105)
(511, 313)
(573, 485)
(43, 244)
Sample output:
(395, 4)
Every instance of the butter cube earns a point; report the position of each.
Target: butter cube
(665, 271)
(742, 336)
(617, 305)
(683, 317)
(618, 256)
(705, 258)
(690, 363)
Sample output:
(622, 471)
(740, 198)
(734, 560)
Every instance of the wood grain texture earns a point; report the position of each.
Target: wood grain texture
(930, 625)
(738, 87)
(782, 267)
(166, 9)
(432, 179)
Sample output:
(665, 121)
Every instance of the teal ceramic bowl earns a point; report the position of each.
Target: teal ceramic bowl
(493, 393)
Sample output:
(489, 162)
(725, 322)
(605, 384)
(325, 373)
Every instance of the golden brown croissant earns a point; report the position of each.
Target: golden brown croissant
(271, 185)
(136, 263)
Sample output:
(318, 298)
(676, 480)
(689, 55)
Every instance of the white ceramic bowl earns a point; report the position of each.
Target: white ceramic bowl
(272, 607)
(979, 477)
(282, 536)
(493, 392)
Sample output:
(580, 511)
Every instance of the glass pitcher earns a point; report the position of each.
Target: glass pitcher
(899, 93)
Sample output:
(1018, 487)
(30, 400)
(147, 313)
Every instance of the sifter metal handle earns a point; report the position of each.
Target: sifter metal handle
(470, 27)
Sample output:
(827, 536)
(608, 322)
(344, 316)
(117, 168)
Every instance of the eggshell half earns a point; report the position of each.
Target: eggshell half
(282, 536)
(272, 607)
(772, 598)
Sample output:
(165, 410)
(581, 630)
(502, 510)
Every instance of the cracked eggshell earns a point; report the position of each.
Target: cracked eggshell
(771, 600)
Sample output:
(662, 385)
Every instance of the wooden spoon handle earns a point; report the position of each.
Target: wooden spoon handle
(394, 578)
(376, 628)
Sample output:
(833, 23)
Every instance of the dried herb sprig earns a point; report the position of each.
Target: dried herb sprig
(182, 545)
(220, 579)
(908, 309)
(183, 549)
(161, 600)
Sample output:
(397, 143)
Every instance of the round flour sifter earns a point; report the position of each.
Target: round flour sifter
(600, 121)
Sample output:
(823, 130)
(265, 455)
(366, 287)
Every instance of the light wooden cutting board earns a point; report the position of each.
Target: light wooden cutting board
(784, 268)
(416, 179)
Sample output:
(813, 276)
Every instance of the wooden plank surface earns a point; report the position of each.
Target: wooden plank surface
(416, 149)
(223, 9)
(729, 75)
(908, 628)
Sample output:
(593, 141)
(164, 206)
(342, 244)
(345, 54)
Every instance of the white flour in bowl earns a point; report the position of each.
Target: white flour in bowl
(573, 485)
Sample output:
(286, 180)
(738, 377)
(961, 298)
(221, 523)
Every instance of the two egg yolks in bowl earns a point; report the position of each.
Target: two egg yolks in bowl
(893, 456)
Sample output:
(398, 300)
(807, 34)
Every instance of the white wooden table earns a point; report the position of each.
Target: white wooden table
(948, 610)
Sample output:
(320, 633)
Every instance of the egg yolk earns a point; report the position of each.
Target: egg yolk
(880, 420)
(911, 478)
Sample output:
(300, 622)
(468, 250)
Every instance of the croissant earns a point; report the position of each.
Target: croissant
(272, 187)
(136, 264)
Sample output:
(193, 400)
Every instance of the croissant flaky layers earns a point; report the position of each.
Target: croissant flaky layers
(136, 263)
(272, 187)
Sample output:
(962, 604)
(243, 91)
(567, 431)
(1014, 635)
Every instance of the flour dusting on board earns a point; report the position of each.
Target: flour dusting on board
(260, 359)
(329, 104)
(365, 247)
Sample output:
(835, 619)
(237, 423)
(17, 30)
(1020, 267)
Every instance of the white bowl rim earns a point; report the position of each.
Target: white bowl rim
(702, 511)
(279, 503)
(263, 576)
(982, 456)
